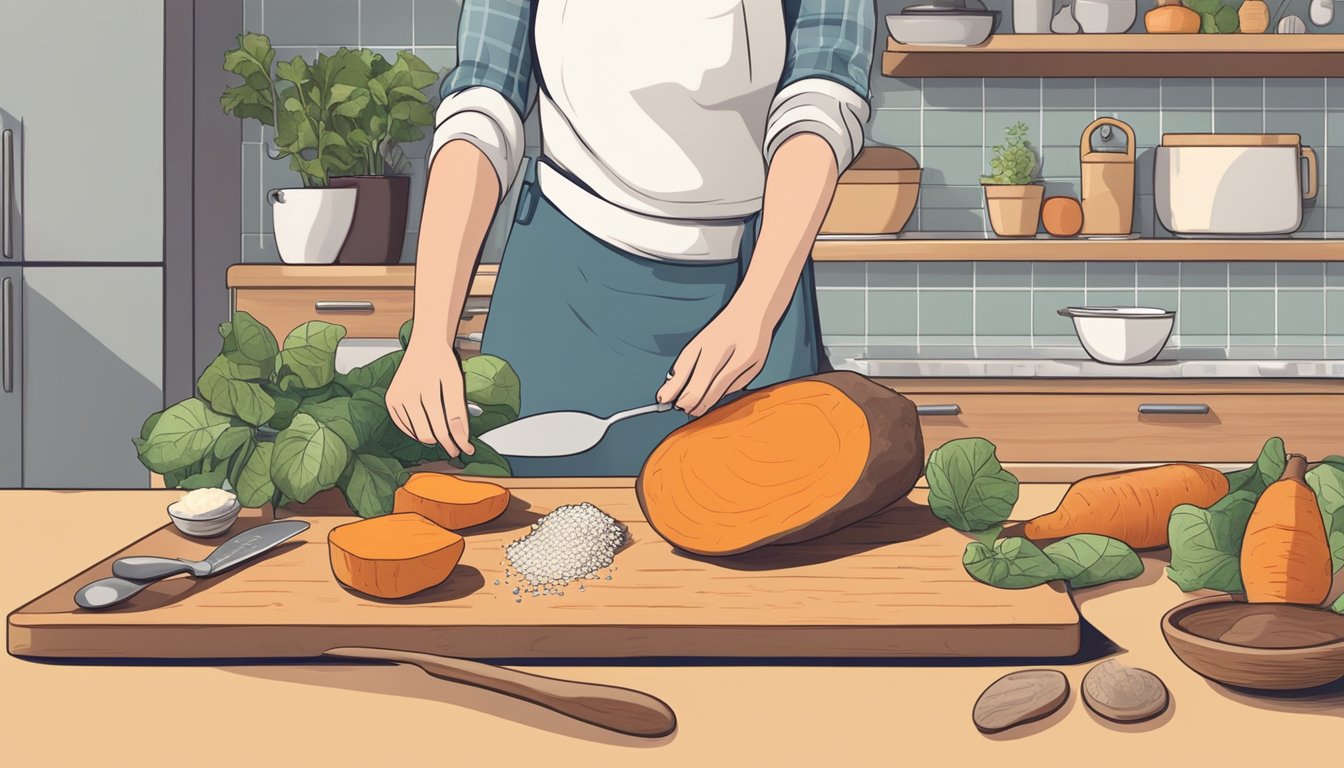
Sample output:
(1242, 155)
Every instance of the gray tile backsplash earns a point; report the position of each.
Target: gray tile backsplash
(947, 124)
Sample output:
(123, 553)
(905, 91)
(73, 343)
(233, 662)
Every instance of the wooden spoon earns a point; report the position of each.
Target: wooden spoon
(617, 709)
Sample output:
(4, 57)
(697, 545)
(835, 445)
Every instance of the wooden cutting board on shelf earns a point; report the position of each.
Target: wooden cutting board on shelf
(890, 586)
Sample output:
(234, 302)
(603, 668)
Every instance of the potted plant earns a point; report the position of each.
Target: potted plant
(278, 425)
(1012, 193)
(340, 120)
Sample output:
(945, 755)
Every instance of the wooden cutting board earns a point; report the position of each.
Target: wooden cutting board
(890, 586)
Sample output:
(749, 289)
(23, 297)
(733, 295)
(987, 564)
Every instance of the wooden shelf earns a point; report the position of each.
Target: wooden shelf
(1079, 250)
(1133, 55)
(327, 276)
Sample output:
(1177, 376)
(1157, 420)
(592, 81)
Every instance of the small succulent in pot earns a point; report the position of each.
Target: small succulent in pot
(1013, 195)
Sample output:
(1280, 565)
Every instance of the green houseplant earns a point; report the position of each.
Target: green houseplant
(341, 120)
(277, 423)
(1013, 195)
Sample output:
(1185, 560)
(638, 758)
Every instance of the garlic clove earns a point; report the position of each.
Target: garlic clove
(1322, 12)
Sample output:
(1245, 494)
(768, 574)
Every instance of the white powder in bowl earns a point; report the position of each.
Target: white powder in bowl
(204, 503)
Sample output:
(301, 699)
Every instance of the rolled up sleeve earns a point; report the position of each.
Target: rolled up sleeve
(824, 85)
(484, 98)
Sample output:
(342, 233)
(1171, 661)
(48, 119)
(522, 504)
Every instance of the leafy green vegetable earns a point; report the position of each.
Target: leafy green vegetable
(968, 488)
(254, 485)
(230, 441)
(1227, 20)
(235, 389)
(1267, 468)
(335, 415)
(1086, 560)
(486, 461)
(1012, 563)
(404, 334)
(490, 381)
(378, 373)
(182, 435)
(1206, 543)
(309, 456)
(1327, 482)
(1209, 7)
(310, 354)
(369, 484)
(249, 343)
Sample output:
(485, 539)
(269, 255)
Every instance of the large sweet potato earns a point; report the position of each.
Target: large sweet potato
(782, 464)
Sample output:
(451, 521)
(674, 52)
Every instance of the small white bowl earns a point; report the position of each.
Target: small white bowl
(946, 29)
(1122, 335)
(212, 525)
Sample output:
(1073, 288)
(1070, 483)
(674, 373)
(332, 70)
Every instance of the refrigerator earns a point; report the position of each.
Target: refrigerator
(81, 268)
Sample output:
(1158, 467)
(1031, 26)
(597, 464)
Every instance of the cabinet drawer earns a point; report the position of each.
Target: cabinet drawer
(1134, 427)
(366, 313)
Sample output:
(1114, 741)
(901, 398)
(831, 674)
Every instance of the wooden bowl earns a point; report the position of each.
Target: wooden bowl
(1262, 646)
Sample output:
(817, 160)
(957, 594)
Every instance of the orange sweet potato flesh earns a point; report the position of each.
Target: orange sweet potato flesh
(393, 555)
(1133, 506)
(1285, 554)
(449, 501)
(783, 464)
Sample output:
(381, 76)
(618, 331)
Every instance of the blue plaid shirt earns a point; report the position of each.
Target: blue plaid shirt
(831, 39)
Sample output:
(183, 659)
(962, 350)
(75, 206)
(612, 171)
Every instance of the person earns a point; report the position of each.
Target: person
(660, 249)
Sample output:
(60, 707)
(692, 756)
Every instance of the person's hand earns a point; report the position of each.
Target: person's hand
(427, 400)
(722, 359)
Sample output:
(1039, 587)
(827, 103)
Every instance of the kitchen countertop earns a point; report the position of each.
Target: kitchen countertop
(1071, 362)
(339, 715)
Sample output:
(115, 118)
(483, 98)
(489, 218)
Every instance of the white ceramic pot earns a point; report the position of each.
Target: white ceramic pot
(311, 224)
(1233, 185)
(1032, 17)
(1121, 335)
(1105, 17)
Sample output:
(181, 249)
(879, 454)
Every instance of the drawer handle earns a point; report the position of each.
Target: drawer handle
(470, 338)
(343, 306)
(7, 193)
(1173, 409)
(7, 332)
(951, 409)
(471, 312)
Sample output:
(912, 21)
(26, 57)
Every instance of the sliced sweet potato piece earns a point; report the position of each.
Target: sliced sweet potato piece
(449, 501)
(393, 555)
(782, 464)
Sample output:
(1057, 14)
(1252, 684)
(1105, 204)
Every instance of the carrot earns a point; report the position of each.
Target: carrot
(1133, 506)
(1285, 555)
(393, 555)
(449, 501)
(782, 464)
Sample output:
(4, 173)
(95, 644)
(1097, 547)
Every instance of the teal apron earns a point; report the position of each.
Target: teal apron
(589, 327)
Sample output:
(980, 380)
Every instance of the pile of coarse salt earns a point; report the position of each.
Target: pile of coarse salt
(571, 543)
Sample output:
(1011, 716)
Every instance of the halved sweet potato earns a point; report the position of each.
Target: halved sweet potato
(449, 501)
(393, 555)
(783, 464)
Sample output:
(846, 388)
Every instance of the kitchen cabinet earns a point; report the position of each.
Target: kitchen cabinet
(92, 370)
(1066, 429)
(83, 92)
(11, 383)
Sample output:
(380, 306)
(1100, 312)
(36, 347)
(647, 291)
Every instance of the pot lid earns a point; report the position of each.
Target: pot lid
(1231, 140)
(883, 159)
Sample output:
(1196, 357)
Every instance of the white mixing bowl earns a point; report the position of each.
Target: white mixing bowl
(1121, 335)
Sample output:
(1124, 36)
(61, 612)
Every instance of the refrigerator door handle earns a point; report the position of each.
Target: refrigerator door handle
(7, 333)
(7, 193)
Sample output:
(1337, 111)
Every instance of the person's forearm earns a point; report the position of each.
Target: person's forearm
(460, 201)
(798, 189)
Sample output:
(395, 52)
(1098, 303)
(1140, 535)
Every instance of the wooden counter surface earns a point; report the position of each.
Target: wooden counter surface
(344, 715)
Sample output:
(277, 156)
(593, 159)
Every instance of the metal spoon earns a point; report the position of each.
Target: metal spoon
(558, 433)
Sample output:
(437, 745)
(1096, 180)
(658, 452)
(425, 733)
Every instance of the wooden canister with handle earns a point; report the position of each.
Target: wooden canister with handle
(1108, 182)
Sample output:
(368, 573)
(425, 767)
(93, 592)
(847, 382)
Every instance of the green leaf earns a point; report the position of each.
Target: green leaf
(182, 435)
(211, 478)
(230, 441)
(405, 333)
(485, 461)
(234, 389)
(1204, 6)
(248, 342)
(377, 373)
(1327, 482)
(369, 416)
(1012, 563)
(254, 486)
(968, 488)
(309, 457)
(1338, 605)
(370, 484)
(335, 415)
(490, 380)
(286, 405)
(1227, 20)
(1267, 468)
(310, 353)
(1087, 559)
(1206, 543)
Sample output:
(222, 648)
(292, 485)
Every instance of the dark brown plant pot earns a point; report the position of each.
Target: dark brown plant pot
(378, 229)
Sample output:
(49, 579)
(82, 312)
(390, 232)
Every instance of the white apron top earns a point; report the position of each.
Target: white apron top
(658, 119)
